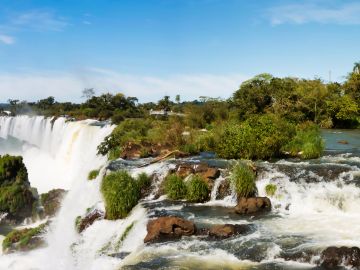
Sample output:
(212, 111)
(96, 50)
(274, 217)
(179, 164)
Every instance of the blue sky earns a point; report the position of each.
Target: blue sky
(152, 48)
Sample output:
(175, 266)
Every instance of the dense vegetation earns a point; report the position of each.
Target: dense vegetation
(257, 122)
(243, 180)
(122, 192)
(16, 197)
(175, 187)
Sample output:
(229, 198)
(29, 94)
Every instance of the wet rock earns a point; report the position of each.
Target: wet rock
(253, 205)
(51, 201)
(333, 257)
(168, 228)
(343, 142)
(227, 230)
(305, 256)
(207, 172)
(88, 220)
(223, 190)
(184, 170)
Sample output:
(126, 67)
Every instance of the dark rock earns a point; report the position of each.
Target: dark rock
(168, 228)
(227, 230)
(51, 201)
(343, 142)
(224, 190)
(304, 256)
(333, 257)
(253, 205)
(89, 219)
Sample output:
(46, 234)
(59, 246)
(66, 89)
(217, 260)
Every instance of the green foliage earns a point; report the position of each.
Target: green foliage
(77, 223)
(175, 187)
(124, 235)
(143, 180)
(307, 141)
(121, 193)
(22, 237)
(243, 179)
(259, 137)
(197, 189)
(12, 169)
(270, 189)
(93, 174)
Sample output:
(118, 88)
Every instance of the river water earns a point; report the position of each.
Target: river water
(316, 205)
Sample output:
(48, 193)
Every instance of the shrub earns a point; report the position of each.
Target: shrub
(197, 189)
(93, 174)
(259, 137)
(308, 142)
(243, 179)
(205, 141)
(121, 193)
(175, 187)
(270, 189)
(189, 149)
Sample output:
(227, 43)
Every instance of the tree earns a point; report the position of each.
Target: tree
(88, 93)
(165, 104)
(356, 68)
(177, 99)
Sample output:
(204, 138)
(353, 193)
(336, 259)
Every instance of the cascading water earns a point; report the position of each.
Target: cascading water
(315, 206)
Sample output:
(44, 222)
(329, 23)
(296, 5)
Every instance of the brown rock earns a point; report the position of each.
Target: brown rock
(168, 227)
(51, 201)
(343, 142)
(333, 257)
(227, 230)
(253, 205)
(131, 151)
(207, 172)
(184, 170)
(89, 219)
(223, 190)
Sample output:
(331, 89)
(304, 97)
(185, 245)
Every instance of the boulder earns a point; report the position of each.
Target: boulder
(333, 257)
(89, 219)
(168, 228)
(184, 170)
(207, 172)
(343, 142)
(51, 201)
(227, 230)
(253, 205)
(223, 190)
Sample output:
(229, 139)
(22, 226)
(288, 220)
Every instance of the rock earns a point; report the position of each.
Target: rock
(253, 205)
(51, 201)
(223, 190)
(304, 256)
(89, 219)
(343, 142)
(131, 151)
(332, 257)
(184, 170)
(207, 172)
(168, 228)
(227, 230)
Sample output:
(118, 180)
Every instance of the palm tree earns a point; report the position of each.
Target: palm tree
(356, 68)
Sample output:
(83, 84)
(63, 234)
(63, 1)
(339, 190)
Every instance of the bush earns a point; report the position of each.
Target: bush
(197, 189)
(121, 193)
(259, 137)
(93, 174)
(175, 187)
(308, 142)
(270, 189)
(243, 179)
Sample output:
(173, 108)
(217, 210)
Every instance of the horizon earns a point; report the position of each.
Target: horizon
(150, 49)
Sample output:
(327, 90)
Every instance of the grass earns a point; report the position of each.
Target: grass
(270, 189)
(197, 189)
(143, 180)
(121, 193)
(175, 187)
(124, 235)
(93, 174)
(243, 179)
(22, 237)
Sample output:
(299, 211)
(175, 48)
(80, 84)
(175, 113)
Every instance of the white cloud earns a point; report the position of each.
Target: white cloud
(38, 20)
(321, 12)
(68, 86)
(8, 40)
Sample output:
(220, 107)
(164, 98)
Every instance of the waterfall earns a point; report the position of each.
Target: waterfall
(57, 154)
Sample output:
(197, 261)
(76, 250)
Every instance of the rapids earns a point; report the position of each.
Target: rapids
(316, 205)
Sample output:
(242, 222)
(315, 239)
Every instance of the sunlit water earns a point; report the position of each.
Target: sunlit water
(316, 205)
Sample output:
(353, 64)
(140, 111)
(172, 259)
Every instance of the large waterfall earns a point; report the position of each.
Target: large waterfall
(316, 205)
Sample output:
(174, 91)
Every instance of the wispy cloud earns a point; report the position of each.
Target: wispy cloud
(5, 39)
(324, 12)
(38, 20)
(66, 86)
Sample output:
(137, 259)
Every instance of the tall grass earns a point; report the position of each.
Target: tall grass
(243, 179)
(197, 189)
(175, 187)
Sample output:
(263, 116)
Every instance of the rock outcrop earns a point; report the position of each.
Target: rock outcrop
(332, 257)
(170, 227)
(88, 220)
(253, 205)
(227, 230)
(51, 201)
